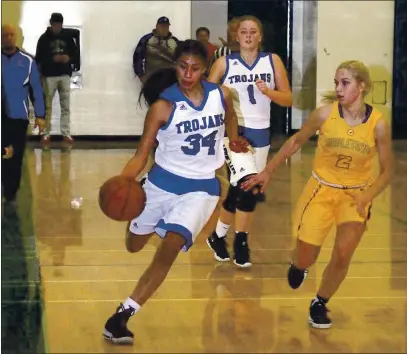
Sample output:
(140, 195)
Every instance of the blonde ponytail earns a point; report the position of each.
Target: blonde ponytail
(328, 97)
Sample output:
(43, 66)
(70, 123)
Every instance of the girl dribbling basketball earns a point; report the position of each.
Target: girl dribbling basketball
(188, 117)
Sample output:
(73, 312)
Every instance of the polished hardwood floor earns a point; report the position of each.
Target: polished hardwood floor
(204, 306)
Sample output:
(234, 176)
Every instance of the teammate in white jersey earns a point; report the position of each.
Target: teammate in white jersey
(255, 79)
(188, 117)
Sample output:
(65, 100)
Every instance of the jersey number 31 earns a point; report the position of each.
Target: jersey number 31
(196, 141)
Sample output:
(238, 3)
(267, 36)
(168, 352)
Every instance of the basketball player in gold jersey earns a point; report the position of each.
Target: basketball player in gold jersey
(341, 188)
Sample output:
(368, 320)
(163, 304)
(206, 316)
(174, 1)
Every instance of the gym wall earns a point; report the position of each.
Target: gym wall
(107, 104)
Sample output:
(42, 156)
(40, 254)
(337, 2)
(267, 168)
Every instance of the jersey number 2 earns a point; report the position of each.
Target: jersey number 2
(250, 91)
(343, 161)
(196, 141)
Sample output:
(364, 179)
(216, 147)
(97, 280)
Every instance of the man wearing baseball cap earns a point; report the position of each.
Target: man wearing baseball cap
(56, 50)
(155, 50)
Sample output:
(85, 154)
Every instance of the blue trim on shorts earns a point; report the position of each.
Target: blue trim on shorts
(173, 183)
(256, 137)
(178, 229)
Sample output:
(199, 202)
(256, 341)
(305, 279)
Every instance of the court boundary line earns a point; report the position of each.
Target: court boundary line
(287, 235)
(186, 264)
(218, 299)
(13, 283)
(206, 249)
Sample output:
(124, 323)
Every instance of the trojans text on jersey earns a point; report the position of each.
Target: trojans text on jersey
(235, 79)
(189, 126)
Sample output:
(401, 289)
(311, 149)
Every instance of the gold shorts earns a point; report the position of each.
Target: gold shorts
(320, 207)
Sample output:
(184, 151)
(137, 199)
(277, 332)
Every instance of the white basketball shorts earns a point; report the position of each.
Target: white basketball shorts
(184, 214)
(241, 164)
(260, 156)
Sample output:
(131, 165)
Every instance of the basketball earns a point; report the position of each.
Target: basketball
(122, 198)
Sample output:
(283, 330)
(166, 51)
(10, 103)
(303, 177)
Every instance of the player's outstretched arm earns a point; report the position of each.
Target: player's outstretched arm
(157, 116)
(310, 127)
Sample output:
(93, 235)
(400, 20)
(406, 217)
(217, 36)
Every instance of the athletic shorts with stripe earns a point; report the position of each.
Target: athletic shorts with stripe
(320, 207)
(177, 204)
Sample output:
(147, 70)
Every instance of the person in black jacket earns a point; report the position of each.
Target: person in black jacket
(55, 55)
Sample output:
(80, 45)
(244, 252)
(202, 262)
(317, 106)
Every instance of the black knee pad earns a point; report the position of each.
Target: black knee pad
(229, 204)
(238, 198)
(247, 201)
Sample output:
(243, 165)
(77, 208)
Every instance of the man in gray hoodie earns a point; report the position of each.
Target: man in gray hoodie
(155, 50)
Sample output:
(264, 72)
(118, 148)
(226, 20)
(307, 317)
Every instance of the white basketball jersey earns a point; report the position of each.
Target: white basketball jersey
(191, 143)
(251, 106)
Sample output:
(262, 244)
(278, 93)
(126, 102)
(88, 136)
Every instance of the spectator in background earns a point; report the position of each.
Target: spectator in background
(55, 53)
(203, 34)
(20, 80)
(232, 45)
(155, 50)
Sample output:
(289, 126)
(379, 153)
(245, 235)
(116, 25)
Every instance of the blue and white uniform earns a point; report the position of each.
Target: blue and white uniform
(182, 190)
(252, 107)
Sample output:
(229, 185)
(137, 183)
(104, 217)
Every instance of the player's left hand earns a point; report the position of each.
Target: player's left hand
(40, 123)
(262, 86)
(261, 179)
(361, 201)
(9, 152)
(239, 145)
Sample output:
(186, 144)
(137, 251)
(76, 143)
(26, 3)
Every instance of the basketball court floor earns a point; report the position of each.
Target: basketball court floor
(203, 306)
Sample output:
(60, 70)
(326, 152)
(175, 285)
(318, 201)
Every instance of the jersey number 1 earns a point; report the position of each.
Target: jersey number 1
(197, 140)
(250, 91)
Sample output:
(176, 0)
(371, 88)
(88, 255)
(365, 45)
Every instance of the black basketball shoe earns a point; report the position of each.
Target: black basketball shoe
(241, 250)
(219, 247)
(116, 326)
(296, 276)
(318, 315)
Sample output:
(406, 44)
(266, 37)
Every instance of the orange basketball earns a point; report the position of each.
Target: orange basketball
(122, 198)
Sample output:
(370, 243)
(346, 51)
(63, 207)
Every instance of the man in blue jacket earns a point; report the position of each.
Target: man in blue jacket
(20, 80)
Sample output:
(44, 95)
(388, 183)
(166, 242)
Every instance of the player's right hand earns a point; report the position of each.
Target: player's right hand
(239, 145)
(261, 179)
(262, 86)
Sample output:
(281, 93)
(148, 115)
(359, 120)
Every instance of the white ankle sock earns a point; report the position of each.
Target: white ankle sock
(221, 229)
(131, 303)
